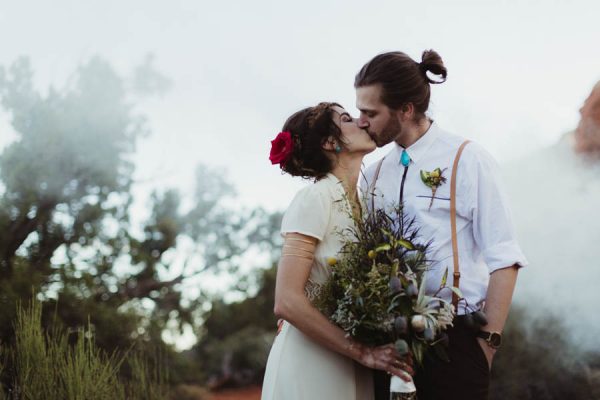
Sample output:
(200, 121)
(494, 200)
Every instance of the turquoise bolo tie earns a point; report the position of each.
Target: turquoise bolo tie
(405, 158)
(405, 161)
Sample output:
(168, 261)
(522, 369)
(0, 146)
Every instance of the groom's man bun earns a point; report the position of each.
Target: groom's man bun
(402, 79)
(310, 129)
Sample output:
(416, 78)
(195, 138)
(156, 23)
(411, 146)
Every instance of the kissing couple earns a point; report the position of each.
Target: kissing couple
(448, 186)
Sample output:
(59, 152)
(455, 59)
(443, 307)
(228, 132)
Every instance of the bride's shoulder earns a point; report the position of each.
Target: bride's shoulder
(309, 211)
(314, 192)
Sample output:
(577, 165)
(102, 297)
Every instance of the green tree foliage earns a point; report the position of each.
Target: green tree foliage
(65, 198)
(237, 337)
(66, 179)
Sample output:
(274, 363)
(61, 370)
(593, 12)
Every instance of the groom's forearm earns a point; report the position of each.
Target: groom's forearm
(499, 297)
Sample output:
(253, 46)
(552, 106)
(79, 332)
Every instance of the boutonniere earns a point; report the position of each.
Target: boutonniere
(434, 180)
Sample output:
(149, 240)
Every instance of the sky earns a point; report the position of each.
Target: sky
(518, 71)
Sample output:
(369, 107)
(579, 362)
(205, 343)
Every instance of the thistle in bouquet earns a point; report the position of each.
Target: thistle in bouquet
(376, 291)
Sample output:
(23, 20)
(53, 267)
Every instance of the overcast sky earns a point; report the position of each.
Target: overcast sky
(518, 71)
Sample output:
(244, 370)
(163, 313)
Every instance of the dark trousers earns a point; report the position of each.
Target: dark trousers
(381, 385)
(465, 377)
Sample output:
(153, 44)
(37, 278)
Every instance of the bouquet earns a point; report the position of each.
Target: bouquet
(376, 291)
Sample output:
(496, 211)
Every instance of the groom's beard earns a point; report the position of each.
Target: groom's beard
(389, 133)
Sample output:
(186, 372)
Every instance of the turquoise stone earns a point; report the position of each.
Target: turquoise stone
(405, 158)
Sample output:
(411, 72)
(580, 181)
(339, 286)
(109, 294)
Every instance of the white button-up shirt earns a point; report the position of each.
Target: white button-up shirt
(485, 231)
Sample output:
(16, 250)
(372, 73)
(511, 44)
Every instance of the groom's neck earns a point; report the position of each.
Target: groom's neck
(412, 132)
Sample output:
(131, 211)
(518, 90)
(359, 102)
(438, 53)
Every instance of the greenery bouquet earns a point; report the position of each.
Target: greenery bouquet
(376, 291)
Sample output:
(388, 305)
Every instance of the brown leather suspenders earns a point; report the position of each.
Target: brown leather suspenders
(456, 274)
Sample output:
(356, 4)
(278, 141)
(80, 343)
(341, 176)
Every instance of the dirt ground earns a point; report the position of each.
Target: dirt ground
(249, 393)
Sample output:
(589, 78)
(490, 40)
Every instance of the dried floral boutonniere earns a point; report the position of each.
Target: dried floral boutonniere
(434, 180)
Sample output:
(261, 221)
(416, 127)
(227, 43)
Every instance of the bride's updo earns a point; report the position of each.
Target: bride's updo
(309, 129)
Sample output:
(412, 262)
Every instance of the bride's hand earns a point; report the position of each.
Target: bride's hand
(387, 358)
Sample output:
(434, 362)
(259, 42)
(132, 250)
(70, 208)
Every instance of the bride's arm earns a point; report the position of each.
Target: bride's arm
(292, 305)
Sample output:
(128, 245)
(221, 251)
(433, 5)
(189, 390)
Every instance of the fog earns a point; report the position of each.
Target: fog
(555, 196)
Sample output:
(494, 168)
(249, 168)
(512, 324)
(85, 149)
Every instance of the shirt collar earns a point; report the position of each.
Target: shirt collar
(418, 149)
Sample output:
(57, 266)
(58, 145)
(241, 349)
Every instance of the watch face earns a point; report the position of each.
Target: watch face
(495, 339)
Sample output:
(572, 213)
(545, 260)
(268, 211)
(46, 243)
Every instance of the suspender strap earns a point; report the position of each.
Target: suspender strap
(377, 170)
(373, 183)
(456, 275)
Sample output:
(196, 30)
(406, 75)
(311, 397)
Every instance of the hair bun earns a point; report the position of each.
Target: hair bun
(432, 62)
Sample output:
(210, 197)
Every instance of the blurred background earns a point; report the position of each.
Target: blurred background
(138, 205)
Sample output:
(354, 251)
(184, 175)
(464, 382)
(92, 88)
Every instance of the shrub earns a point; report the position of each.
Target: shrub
(45, 366)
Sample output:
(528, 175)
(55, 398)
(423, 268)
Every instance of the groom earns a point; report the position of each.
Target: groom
(392, 94)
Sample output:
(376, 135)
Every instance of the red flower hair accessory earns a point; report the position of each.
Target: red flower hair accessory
(281, 148)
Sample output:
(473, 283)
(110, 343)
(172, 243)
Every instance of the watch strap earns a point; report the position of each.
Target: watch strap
(487, 336)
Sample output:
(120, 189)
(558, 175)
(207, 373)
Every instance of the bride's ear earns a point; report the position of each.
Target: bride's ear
(330, 144)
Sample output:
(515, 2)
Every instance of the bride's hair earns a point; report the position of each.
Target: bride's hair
(310, 128)
(402, 79)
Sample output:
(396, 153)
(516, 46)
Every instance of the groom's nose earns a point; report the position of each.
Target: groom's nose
(363, 123)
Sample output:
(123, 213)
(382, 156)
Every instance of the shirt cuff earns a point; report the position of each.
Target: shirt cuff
(504, 255)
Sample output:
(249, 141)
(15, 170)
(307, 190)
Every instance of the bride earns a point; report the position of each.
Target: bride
(312, 358)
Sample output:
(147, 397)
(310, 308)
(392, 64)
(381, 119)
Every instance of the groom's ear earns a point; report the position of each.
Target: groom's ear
(407, 112)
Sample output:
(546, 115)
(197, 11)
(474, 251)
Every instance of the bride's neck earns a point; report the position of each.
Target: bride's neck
(348, 172)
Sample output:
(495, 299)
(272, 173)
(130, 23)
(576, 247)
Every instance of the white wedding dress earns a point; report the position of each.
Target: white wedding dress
(299, 368)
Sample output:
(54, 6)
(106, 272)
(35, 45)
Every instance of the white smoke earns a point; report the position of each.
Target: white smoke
(555, 196)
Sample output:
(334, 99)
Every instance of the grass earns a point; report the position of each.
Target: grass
(44, 365)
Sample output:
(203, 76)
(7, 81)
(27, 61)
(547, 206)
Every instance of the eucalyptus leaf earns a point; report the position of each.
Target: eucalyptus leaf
(406, 244)
(456, 291)
(383, 247)
(425, 177)
(445, 278)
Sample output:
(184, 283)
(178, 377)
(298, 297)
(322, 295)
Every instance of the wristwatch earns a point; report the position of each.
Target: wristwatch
(493, 339)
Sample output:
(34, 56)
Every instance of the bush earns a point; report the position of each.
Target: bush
(539, 362)
(45, 366)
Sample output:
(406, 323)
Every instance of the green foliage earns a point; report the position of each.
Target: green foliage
(46, 366)
(149, 381)
(238, 359)
(237, 337)
(376, 291)
(65, 197)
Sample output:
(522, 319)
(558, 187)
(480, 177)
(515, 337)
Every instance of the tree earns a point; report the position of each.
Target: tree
(237, 337)
(65, 197)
